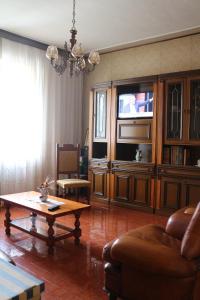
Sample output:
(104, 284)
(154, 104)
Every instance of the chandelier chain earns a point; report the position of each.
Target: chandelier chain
(74, 15)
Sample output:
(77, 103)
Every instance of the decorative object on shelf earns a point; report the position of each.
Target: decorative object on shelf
(84, 162)
(72, 55)
(44, 189)
(198, 163)
(86, 140)
(138, 155)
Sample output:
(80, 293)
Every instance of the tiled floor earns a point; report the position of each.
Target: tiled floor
(74, 272)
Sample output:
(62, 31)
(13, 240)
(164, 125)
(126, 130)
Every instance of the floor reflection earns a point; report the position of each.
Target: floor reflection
(73, 272)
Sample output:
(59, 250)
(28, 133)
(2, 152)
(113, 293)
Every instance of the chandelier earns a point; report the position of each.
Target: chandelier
(73, 55)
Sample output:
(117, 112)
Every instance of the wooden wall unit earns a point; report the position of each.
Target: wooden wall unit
(167, 177)
(128, 182)
(178, 141)
(99, 140)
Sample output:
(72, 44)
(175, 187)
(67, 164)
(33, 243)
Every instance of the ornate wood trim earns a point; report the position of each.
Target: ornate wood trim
(178, 171)
(172, 75)
(102, 85)
(145, 79)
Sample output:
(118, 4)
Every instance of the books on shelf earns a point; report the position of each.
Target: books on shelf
(187, 158)
(176, 155)
(166, 155)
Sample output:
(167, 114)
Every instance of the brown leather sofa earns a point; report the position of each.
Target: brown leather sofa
(156, 263)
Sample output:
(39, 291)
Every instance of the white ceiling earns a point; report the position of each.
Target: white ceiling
(101, 24)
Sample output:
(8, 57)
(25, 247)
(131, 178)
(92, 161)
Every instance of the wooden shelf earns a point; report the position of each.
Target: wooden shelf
(40, 229)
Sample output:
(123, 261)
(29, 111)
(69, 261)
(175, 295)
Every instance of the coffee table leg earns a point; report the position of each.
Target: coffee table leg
(33, 216)
(50, 241)
(77, 230)
(7, 219)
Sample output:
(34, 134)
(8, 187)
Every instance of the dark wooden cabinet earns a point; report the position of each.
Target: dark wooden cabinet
(133, 184)
(178, 141)
(174, 107)
(180, 186)
(171, 194)
(133, 179)
(99, 178)
(122, 186)
(100, 115)
(147, 162)
(191, 191)
(193, 109)
(182, 110)
(141, 192)
(99, 140)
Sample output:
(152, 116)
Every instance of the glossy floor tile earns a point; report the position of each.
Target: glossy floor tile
(73, 272)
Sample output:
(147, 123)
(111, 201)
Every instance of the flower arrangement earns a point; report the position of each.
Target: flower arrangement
(44, 189)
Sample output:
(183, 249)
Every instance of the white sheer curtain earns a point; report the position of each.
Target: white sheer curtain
(38, 109)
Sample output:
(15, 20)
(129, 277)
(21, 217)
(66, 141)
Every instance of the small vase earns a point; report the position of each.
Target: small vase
(44, 191)
(138, 155)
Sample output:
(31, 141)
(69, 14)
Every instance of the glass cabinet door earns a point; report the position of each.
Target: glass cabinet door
(194, 111)
(100, 115)
(174, 110)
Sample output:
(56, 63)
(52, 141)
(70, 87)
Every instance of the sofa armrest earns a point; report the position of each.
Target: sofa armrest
(143, 255)
(107, 254)
(178, 222)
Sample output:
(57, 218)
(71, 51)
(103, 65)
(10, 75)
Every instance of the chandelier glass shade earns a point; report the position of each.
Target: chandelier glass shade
(72, 56)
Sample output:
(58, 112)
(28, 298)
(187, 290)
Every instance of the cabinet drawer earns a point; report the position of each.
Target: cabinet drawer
(141, 168)
(99, 164)
(179, 171)
(134, 131)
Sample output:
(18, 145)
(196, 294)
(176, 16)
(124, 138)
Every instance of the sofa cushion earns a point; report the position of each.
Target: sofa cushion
(190, 247)
(150, 249)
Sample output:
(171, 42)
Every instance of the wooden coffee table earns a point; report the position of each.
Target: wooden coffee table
(41, 222)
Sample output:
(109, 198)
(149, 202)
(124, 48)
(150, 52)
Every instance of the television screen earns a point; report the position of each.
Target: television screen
(135, 105)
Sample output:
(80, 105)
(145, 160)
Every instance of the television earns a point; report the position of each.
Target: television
(135, 105)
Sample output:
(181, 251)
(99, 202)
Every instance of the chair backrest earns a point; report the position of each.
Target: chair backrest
(68, 158)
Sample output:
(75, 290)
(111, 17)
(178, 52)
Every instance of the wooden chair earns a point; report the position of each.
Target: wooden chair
(68, 160)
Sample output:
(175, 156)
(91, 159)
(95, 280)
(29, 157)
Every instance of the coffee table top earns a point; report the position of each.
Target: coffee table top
(31, 200)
